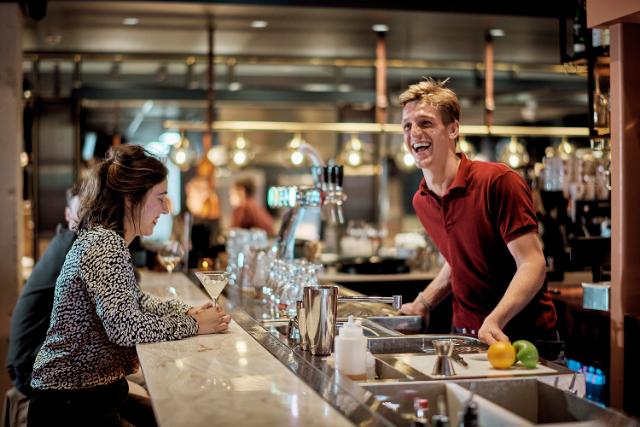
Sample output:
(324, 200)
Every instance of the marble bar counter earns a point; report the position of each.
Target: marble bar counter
(224, 379)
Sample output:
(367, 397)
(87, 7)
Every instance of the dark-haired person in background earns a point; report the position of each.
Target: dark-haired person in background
(247, 213)
(32, 312)
(99, 312)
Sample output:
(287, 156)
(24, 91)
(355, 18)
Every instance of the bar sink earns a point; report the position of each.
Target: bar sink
(540, 403)
(423, 344)
(406, 325)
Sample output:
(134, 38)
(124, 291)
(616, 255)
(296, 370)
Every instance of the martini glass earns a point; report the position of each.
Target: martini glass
(213, 282)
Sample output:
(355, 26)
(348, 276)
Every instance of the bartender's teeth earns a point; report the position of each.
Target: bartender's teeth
(420, 146)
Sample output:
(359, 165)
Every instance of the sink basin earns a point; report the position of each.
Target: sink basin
(540, 403)
(422, 344)
(406, 325)
(398, 398)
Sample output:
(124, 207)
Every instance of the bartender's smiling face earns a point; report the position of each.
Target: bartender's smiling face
(427, 138)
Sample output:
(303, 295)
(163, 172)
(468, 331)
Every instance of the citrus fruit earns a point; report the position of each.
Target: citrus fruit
(501, 355)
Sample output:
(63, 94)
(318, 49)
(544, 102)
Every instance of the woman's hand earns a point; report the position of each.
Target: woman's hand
(204, 306)
(211, 320)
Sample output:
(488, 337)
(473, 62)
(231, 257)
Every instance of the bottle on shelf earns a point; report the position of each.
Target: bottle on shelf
(579, 30)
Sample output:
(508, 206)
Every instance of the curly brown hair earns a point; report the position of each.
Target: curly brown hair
(436, 94)
(127, 173)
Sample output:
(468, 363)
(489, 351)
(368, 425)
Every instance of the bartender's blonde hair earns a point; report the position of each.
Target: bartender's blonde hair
(435, 94)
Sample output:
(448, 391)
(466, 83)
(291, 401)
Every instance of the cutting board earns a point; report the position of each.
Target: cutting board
(479, 366)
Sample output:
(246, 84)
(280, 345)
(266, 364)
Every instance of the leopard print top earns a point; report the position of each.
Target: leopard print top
(100, 314)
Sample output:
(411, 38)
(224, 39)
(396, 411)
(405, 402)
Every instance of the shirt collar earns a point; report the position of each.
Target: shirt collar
(460, 181)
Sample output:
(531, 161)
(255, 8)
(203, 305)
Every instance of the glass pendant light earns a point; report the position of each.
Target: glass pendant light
(514, 154)
(182, 155)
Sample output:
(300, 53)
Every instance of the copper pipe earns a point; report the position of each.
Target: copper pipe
(381, 79)
(489, 101)
(207, 138)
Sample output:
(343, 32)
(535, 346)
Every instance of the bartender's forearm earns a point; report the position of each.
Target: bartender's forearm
(439, 287)
(527, 281)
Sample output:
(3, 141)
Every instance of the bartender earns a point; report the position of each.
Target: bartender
(481, 217)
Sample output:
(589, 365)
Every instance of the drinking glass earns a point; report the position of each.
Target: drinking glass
(170, 256)
(213, 282)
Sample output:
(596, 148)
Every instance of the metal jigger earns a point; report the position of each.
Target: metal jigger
(444, 365)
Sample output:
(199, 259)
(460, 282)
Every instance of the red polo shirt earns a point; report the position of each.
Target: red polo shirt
(487, 206)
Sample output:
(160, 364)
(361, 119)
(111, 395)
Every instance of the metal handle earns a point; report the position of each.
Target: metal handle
(395, 300)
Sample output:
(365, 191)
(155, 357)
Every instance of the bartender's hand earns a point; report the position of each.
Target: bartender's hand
(491, 332)
(212, 320)
(415, 308)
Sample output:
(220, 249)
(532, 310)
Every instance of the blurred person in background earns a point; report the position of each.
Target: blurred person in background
(99, 311)
(247, 213)
(32, 312)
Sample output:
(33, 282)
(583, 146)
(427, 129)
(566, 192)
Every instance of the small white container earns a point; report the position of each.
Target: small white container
(350, 347)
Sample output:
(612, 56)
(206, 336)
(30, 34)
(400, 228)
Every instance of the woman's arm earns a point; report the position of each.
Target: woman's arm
(110, 281)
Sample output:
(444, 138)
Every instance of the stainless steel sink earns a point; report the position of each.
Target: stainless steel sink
(541, 403)
(422, 344)
(406, 325)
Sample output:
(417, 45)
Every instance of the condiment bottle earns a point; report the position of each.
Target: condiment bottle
(350, 348)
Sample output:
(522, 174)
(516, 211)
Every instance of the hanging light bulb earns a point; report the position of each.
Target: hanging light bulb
(218, 155)
(565, 148)
(240, 158)
(241, 154)
(353, 152)
(464, 146)
(514, 154)
(182, 154)
(404, 159)
(294, 155)
(354, 158)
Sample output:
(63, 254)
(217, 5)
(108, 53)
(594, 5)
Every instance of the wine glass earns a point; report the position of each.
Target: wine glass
(213, 282)
(170, 256)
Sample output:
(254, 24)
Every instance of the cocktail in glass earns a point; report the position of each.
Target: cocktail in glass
(213, 282)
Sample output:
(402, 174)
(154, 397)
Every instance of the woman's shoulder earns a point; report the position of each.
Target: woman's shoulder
(99, 239)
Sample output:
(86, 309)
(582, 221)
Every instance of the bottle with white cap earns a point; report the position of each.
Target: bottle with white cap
(350, 348)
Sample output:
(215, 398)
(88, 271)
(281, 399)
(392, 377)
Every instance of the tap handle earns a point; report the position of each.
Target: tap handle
(339, 175)
(317, 173)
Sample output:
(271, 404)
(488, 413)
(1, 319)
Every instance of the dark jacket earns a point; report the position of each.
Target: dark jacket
(32, 312)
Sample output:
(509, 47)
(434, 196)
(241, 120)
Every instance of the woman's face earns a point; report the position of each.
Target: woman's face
(154, 204)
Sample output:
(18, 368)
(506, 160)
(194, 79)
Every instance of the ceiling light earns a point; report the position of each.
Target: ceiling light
(297, 158)
(380, 28)
(170, 137)
(496, 32)
(464, 146)
(240, 158)
(354, 158)
(218, 155)
(407, 160)
(259, 24)
(404, 159)
(235, 86)
(182, 154)
(130, 21)
(514, 154)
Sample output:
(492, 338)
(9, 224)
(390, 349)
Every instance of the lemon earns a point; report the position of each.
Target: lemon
(501, 355)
